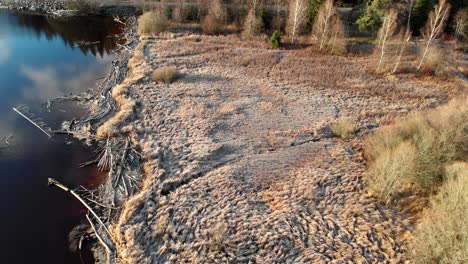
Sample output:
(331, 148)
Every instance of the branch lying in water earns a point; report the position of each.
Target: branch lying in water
(32, 122)
(109, 250)
(56, 183)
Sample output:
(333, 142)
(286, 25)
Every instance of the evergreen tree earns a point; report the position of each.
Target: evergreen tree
(421, 10)
(314, 8)
(373, 15)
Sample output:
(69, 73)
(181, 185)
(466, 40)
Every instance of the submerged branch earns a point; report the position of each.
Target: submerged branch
(32, 122)
(109, 250)
(56, 183)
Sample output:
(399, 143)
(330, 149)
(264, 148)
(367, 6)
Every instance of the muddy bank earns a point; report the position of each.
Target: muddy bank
(239, 161)
(72, 7)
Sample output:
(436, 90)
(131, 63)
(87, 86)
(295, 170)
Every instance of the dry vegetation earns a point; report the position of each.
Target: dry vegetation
(165, 74)
(152, 22)
(241, 146)
(236, 150)
(423, 152)
(415, 150)
(343, 128)
(214, 21)
(442, 235)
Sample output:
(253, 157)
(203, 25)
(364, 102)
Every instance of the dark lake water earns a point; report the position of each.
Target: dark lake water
(39, 60)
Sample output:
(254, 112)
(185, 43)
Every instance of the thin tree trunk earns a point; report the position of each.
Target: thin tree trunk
(407, 37)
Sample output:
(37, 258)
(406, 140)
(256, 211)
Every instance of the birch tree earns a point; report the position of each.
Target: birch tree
(253, 24)
(337, 43)
(461, 24)
(323, 23)
(328, 27)
(297, 17)
(434, 27)
(386, 32)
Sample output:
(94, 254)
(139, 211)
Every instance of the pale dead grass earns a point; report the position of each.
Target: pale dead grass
(442, 234)
(120, 93)
(343, 128)
(166, 74)
(268, 106)
(416, 149)
(230, 107)
(138, 55)
(439, 61)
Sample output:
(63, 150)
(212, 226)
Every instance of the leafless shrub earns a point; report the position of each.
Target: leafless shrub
(215, 19)
(152, 22)
(328, 28)
(434, 27)
(297, 17)
(253, 24)
(438, 62)
(165, 74)
(461, 25)
(392, 169)
(343, 128)
(178, 13)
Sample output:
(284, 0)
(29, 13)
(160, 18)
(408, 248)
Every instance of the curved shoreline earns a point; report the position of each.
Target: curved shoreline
(64, 8)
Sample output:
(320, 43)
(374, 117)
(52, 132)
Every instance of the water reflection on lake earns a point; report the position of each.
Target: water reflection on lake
(41, 58)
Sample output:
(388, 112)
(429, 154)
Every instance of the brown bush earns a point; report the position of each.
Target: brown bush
(165, 74)
(152, 22)
(215, 19)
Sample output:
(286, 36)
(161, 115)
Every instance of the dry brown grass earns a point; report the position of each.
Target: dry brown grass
(416, 149)
(152, 22)
(442, 235)
(215, 19)
(165, 74)
(438, 62)
(343, 128)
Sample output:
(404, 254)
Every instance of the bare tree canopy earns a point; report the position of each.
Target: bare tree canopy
(434, 27)
(297, 17)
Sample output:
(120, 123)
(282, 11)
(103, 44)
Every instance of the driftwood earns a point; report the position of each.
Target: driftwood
(110, 251)
(32, 122)
(117, 156)
(56, 183)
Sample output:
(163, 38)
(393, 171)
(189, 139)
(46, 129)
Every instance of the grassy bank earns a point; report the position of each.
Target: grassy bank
(427, 153)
